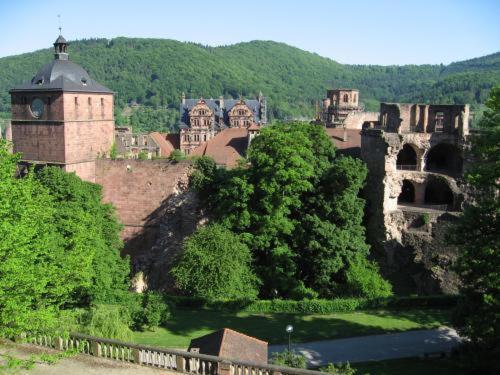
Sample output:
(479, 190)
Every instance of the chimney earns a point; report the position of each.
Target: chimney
(183, 98)
(221, 101)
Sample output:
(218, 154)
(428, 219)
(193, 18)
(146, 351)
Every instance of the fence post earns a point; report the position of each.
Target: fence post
(58, 344)
(224, 368)
(137, 356)
(180, 362)
(96, 348)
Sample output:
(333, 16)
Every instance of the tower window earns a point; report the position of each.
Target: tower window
(346, 98)
(76, 100)
(439, 124)
(90, 101)
(49, 101)
(102, 101)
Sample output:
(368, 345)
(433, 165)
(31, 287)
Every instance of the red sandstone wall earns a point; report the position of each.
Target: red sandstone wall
(39, 141)
(85, 170)
(139, 189)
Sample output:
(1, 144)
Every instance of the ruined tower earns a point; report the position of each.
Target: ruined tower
(414, 190)
(62, 116)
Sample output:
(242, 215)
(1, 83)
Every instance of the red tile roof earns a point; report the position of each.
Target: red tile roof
(228, 343)
(226, 148)
(166, 147)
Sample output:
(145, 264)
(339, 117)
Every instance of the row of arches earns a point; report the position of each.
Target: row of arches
(437, 192)
(442, 158)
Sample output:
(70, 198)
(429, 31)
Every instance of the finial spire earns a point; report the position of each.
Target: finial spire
(59, 22)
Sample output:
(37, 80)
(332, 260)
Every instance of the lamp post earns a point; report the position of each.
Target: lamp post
(289, 330)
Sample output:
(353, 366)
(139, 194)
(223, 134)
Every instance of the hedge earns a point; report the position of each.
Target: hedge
(316, 306)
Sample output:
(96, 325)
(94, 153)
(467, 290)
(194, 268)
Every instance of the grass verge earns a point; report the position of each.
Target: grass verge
(188, 324)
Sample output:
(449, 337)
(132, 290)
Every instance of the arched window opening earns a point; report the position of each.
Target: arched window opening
(407, 194)
(444, 158)
(407, 159)
(437, 192)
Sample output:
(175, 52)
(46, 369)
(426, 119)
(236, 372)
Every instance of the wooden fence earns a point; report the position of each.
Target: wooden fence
(170, 359)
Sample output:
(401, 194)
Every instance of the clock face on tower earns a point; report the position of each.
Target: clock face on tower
(37, 107)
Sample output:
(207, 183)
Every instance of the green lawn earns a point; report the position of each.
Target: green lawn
(185, 325)
(410, 366)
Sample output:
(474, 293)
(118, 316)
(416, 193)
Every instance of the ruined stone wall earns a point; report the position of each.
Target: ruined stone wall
(157, 210)
(355, 120)
(409, 240)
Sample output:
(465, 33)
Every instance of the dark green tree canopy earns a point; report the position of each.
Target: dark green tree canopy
(296, 206)
(478, 233)
(215, 264)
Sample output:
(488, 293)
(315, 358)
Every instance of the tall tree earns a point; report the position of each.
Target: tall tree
(297, 207)
(91, 229)
(31, 285)
(478, 233)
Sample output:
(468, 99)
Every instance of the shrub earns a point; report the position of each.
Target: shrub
(109, 321)
(316, 306)
(177, 156)
(215, 265)
(339, 369)
(364, 280)
(290, 359)
(143, 155)
(155, 309)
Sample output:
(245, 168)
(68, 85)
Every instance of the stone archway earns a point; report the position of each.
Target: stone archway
(444, 158)
(407, 158)
(437, 192)
(407, 194)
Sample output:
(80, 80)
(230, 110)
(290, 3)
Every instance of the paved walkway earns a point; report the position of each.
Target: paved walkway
(376, 347)
(78, 365)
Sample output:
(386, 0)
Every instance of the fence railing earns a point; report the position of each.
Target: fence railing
(170, 359)
(406, 167)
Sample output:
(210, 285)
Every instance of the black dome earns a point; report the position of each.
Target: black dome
(61, 68)
(62, 75)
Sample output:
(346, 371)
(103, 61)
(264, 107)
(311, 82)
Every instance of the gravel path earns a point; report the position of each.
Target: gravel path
(77, 365)
(376, 347)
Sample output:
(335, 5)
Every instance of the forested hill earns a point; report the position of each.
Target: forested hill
(154, 73)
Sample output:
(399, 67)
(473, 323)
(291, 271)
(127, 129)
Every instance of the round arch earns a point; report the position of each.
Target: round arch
(444, 158)
(407, 194)
(438, 192)
(407, 158)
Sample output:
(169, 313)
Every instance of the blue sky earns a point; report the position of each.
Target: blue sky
(357, 32)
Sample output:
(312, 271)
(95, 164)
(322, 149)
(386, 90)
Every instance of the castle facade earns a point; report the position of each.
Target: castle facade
(202, 119)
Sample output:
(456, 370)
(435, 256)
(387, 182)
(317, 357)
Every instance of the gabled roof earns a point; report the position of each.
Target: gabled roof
(166, 147)
(219, 107)
(231, 344)
(226, 148)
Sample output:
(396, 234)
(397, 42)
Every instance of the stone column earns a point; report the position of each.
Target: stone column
(419, 193)
(224, 368)
(425, 119)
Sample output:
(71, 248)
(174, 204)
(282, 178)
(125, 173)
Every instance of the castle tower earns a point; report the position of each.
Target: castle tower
(62, 116)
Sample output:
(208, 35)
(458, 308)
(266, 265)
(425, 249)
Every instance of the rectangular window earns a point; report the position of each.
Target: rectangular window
(439, 123)
(76, 100)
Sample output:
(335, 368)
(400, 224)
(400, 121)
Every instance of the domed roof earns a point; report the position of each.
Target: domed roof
(62, 75)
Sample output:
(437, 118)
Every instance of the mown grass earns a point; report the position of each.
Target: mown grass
(188, 324)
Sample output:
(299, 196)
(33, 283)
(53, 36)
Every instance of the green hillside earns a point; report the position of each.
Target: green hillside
(154, 72)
